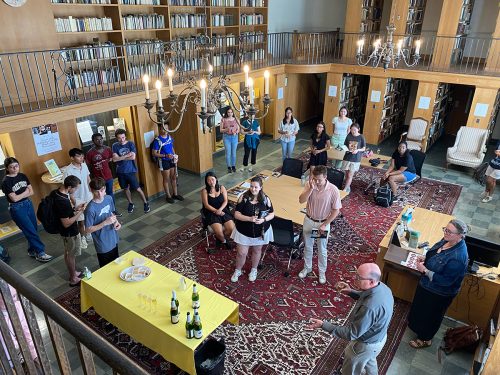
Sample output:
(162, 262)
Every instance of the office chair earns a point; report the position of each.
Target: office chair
(335, 176)
(292, 167)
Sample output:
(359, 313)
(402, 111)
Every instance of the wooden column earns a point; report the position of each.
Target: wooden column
(447, 30)
(373, 113)
(352, 25)
(399, 15)
(482, 96)
(493, 58)
(278, 106)
(425, 89)
(332, 103)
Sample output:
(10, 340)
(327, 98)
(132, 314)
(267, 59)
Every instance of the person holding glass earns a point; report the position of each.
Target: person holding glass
(288, 128)
(443, 270)
(341, 127)
(230, 128)
(320, 143)
(251, 129)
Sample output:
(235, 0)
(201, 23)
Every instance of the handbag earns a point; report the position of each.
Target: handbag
(466, 337)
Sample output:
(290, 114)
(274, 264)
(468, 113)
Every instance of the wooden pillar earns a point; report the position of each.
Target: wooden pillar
(352, 26)
(373, 113)
(277, 107)
(332, 103)
(399, 15)
(429, 90)
(493, 58)
(482, 97)
(445, 38)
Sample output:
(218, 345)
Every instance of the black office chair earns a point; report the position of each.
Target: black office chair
(418, 160)
(335, 176)
(206, 229)
(284, 237)
(292, 167)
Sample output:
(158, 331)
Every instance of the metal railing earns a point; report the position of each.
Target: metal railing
(26, 350)
(38, 80)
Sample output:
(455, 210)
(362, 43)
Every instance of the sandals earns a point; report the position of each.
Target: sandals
(420, 344)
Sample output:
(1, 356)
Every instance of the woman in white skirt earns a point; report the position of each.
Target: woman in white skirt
(341, 127)
(252, 215)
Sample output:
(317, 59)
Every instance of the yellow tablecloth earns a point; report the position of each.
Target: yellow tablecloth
(118, 302)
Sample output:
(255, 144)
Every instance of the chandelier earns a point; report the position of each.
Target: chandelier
(386, 54)
(208, 93)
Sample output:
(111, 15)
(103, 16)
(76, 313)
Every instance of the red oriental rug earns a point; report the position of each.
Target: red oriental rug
(271, 337)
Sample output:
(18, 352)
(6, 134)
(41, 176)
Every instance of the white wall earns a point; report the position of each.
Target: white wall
(306, 15)
(484, 18)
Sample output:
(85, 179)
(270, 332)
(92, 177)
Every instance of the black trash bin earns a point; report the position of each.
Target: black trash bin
(209, 357)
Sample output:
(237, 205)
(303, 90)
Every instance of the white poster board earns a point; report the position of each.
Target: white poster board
(280, 93)
(332, 91)
(46, 138)
(424, 102)
(481, 110)
(84, 130)
(375, 96)
(148, 138)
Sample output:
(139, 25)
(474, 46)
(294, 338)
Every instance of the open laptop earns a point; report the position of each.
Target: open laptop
(397, 242)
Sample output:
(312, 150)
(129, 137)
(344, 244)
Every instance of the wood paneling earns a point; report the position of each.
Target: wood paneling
(427, 89)
(399, 15)
(448, 23)
(482, 96)
(332, 103)
(352, 25)
(373, 113)
(493, 59)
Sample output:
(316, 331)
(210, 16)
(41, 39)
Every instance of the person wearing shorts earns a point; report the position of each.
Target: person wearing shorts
(402, 168)
(68, 215)
(124, 157)
(356, 144)
(492, 175)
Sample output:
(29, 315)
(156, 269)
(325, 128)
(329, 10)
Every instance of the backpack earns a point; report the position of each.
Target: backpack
(154, 158)
(45, 213)
(480, 174)
(460, 338)
(336, 177)
(383, 196)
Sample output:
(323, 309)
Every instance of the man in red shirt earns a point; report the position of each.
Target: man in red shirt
(98, 158)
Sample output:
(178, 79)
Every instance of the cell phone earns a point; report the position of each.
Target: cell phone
(316, 234)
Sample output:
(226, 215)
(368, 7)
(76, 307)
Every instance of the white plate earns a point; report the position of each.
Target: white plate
(138, 261)
(135, 273)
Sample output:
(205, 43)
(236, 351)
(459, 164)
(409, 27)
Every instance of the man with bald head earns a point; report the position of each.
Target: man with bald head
(367, 328)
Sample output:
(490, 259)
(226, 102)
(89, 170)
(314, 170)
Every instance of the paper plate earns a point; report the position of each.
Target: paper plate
(135, 273)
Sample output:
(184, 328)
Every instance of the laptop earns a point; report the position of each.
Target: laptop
(397, 242)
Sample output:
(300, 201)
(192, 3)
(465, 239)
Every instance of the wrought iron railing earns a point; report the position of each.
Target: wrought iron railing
(38, 80)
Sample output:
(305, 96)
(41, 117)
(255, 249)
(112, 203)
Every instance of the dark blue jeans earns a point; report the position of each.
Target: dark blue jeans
(109, 189)
(23, 215)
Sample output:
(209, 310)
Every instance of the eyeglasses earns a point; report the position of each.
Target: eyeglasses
(447, 231)
(362, 278)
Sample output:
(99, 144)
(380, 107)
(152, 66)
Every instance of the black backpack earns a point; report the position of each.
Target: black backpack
(45, 213)
(383, 196)
(154, 158)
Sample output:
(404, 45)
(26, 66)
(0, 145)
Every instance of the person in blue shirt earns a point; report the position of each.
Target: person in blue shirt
(251, 129)
(124, 157)
(163, 149)
(443, 270)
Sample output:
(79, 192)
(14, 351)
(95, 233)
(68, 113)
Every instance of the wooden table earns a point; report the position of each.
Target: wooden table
(284, 193)
(478, 299)
(48, 179)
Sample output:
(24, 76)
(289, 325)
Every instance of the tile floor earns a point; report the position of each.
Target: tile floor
(140, 230)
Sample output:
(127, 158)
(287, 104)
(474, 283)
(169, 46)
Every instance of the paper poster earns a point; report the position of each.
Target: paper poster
(100, 130)
(332, 91)
(148, 138)
(375, 96)
(423, 102)
(85, 131)
(52, 168)
(46, 138)
(481, 110)
(280, 93)
(119, 123)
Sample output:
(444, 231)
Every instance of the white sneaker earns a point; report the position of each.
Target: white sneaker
(242, 169)
(83, 242)
(322, 278)
(483, 195)
(486, 199)
(252, 275)
(303, 274)
(236, 275)
(250, 169)
(347, 190)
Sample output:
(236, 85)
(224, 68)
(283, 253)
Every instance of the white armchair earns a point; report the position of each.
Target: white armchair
(416, 134)
(469, 147)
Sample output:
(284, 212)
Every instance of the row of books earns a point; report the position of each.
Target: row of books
(252, 3)
(183, 64)
(94, 51)
(80, 1)
(136, 71)
(370, 26)
(70, 24)
(143, 47)
(87, 78)
(143, 21)
(252, 37)
(224, 59)
(222, 20)
(371, 13)
(139, 2)
(258, 54)
(192, 3)
(252, 19)
(184, 20)
(227, 40)
(223, 3)
(185, 43)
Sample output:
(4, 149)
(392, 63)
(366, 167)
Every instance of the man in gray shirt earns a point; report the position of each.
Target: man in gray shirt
(367, 330)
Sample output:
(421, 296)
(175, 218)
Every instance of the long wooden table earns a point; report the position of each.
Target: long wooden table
(284, 193)
(119, 303)
(478, 299)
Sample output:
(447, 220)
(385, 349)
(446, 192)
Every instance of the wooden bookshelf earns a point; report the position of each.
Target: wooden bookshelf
(440, 111)
(371, 16)
(353, 96)
(394, 107)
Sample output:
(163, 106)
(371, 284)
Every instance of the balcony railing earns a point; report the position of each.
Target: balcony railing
(38, 80)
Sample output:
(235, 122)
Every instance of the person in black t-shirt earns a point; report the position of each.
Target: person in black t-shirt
(402, 168)
(70, 234)
(492, 175)
(356, 144)
(320, 144)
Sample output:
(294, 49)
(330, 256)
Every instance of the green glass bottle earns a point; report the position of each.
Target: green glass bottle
(195, 297)
(197, 326)
(189, 327)
(174, 296)
(174, 312)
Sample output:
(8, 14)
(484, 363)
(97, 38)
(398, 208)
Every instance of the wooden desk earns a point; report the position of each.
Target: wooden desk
(284, 193)
(478, 298)
(48, 179)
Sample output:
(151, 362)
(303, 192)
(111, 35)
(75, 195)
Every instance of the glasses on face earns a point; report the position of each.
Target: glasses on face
(358, 277)
(447, 231)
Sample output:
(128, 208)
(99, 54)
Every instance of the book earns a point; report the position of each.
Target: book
(237, 191)
(411, 260)
(262, 176)
(52, 167)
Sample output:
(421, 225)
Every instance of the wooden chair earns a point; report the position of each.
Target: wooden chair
(416, 134)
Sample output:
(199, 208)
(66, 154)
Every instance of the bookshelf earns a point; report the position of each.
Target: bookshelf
(414, 21)
(394, 110)
(353, 96)
(494, 113)
(371, 16)
(440, 111)
(463, 28)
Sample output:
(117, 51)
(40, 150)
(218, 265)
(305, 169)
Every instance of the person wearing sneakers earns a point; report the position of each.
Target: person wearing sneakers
(17, 189)
(78, 168)
(252, 214)
(124, 157)
(230, 128)
(367, 330)
(101, 222)
(323, 206)
(356, 144)
(251, 129)
(492, 175)
(163, 149)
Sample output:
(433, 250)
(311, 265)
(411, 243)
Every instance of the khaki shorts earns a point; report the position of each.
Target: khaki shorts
(493, 173)
(72, 245)
(350, 166)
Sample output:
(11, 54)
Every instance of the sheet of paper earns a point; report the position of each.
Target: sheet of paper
(148, 138)
(119, 123)
(332, 91)
(280, 93)
(423, 102)
(481, 110)
(46, 138)
(375, 96)
(85, 131)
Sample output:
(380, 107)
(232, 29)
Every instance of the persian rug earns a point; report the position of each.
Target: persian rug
(272, 337)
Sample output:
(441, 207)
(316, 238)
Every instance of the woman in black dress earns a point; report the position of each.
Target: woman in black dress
(320, 143)
(214, 198)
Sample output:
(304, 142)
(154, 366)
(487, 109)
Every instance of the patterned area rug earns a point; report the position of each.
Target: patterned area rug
(271, 337)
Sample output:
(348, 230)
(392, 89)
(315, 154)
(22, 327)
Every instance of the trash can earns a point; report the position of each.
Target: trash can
(209, 357)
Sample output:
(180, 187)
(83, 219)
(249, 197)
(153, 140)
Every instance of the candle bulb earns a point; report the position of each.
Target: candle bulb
(376, 44)
(170, 74)
(158, 92)
(246, 69)
(400, 44)
(145, 79)
(210, 69)
(360, 45)
(250, 90)
(203, 86)
(417, 49)
(266, 82)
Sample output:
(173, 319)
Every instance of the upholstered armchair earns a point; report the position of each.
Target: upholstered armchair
(416, 134)
(469, 147)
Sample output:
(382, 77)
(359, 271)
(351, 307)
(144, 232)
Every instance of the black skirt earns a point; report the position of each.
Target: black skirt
(427, 312)
(212, 218)
(319, 159)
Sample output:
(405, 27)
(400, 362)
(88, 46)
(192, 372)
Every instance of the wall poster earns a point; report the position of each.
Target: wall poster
(46, 138)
